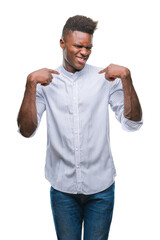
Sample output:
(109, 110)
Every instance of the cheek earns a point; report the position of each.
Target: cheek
(70, 55)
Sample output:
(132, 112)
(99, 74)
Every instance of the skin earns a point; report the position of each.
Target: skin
(76, 48)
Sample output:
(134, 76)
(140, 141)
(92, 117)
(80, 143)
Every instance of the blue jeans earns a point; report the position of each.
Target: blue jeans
(70, 210)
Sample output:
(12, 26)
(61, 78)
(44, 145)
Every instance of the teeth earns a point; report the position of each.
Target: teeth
(82, 59)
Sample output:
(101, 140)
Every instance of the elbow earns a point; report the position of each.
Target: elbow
(135, 116)
(131, 125)
(27, 132)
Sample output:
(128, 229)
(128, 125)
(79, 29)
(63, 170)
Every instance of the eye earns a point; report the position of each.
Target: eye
(77, 46)
(88, 48)
(80, 46)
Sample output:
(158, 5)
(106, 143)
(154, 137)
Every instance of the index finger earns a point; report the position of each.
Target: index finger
(53, 71)
(102, 71)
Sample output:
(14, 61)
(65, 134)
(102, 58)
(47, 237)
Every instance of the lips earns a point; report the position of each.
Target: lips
(82, 60)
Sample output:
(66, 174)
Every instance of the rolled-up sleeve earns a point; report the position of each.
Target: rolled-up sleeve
(40, 103)
(116, 101)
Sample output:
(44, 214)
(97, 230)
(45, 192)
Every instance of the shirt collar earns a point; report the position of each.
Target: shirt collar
(73, 75)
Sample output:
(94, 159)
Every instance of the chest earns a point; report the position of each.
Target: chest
(65, 95)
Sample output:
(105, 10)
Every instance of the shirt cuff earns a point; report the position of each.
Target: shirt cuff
(131, 126)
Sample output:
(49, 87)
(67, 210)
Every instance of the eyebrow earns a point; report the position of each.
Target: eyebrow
(79, 45)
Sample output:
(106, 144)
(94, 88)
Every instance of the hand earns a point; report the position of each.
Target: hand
(115, 71)
(43, 76)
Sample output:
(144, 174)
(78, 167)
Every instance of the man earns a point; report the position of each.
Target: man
(79, 162)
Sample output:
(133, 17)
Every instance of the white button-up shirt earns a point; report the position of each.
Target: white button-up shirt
(79, 158)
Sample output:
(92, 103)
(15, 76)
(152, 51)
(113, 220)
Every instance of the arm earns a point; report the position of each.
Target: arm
(27, 117)
(132, 108)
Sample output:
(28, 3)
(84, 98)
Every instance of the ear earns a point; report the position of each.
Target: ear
(62, 43)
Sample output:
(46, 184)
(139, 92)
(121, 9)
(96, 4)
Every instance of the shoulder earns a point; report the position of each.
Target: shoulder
(93, 68)
(58, 69)
(93, 72)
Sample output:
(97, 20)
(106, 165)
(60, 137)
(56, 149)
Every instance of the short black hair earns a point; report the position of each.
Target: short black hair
(79, 23)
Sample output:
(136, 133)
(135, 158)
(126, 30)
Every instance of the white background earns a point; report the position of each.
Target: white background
(128, 35)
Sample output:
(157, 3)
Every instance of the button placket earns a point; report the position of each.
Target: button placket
(76, 134)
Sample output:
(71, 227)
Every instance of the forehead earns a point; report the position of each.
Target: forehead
(79, 37)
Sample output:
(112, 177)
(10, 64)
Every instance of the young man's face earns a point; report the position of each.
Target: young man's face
(76, 50)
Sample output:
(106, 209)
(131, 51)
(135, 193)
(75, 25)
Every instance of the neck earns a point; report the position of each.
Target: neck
(69, 67)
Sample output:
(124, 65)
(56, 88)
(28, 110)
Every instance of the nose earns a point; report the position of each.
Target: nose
(84, 51)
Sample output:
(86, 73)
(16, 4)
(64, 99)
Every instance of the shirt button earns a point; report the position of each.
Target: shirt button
(75, 131)
(77, 166)
(76, 149)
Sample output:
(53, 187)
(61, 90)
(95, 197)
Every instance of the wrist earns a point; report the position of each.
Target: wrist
(126, 77)
(31, 80)
(125, 74)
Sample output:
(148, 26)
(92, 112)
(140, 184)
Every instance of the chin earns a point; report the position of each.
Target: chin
(78, 68)
(74, 66)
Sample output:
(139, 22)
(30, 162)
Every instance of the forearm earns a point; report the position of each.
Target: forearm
(27, 117)
(132, 107)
